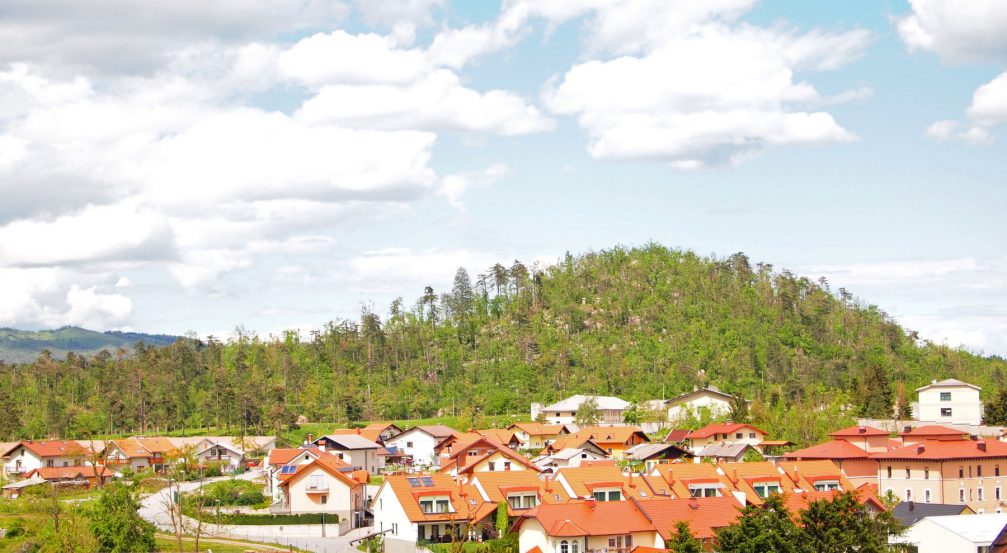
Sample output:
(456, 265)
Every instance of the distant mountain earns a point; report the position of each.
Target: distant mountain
(25, 345)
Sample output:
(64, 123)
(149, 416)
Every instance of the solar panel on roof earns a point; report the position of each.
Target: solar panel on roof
(288, 469)
(414, 482)
(427, 481)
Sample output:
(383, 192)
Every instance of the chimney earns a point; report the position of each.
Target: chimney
(358, 431)
(921, 448)
(590, 502)
(911, 505)
(981, 445)
(548, 481)
(631, 484)
(693, 503)
(907, 429)
(309, 438)
(862, 430)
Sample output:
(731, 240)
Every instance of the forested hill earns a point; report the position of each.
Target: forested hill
(639, 323)
(26, 345)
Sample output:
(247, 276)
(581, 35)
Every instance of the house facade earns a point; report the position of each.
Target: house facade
(355, 450)
(585, 526)
(949, 402)
(419, 443)
(29, 455)
(727, 433)
(534, 435)
(610, 410)
(411, 510)
(711, 400)
(325, 486)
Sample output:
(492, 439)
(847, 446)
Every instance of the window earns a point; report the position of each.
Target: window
(607, 495)
(427, 506)
(522, 501)
(325, 499)
(926, 495)
(945, 411)
(979, 493)
(492, 466)
(996, 470)
(474, 453)
(996, 493)
(961, 495)
(945, 396)
(909, 494)
(317, 482)
(926, 473)
(395, 528)
(574, 546)
(827, 485)
(629, 541)
(564, 547)
(712, 490)
(908, 473)
(961, 472)
(889, 471)
(751, 435)
(409, 444)
(738, 436)
(764, 489)
(506, 465)
(979, 471)
(443, 506)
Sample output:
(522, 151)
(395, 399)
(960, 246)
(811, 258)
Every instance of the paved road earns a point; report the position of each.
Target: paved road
(155, 508)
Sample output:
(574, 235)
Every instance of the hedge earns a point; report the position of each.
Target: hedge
(259, 520)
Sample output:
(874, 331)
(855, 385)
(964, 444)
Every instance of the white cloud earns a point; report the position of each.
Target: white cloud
(49, 298)
(713, 96)
(341, 57)
(455, 186)
(392, 13)
(958, 31)
(961, 32)
(436, 102)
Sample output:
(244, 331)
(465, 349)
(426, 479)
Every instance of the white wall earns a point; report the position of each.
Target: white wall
(388, 511)
(29, 461)
(422, 450)
(966, 408)
(717, 405)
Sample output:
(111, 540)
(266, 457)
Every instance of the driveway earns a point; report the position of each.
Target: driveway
(156, 509)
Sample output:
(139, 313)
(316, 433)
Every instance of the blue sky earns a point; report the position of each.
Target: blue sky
(275, 167)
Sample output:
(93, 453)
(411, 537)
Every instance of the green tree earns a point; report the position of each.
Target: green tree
(588, 413)
(995, 412)
(503, 522)
(765, 529)
(682, 541)
(876, 396)
(843, 524)
(632, 414)
(116, 523)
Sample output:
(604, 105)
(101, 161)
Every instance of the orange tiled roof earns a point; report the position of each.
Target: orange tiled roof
(806, 473)
(464, 498)
(539, 429)
(331, 465)
(372, 434)
(714, 429)
(704, 515)
(833, 449)
(796, 502)
(583, 479)
(611, 434)
(590, 518)
(497, 485)
(67, 473)
(934, 431)
(499, 434)
(859, 432)
(678, 476)
(53, 448)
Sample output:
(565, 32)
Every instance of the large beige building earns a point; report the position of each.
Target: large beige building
(964, 472)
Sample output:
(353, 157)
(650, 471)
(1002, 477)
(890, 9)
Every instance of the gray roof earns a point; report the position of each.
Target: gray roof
(352, 441)
(697, 391)
(979, 529)
(947, 383)
(909, 512)
(643, 452)
(723, 450)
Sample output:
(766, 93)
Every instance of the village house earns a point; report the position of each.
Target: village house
(913, 435)
(522, 490)
(602, 482)
(698, 401)
(910, 512)
(728, 433)
(857, 465)
(649, 455)
(411, 510)
(569, 453)
(419, 443)
(354, 449)
(377, 432)
(949, 402)
(224, 453)
(726, 452)
(131, 453)
(28, 455)
(502, 435)
(610, 410)
(704, 515)
(77, 476)
(535, 435)
(324, 485)
(586, 526)
(484, 455)
(285, 457)
(615, 440)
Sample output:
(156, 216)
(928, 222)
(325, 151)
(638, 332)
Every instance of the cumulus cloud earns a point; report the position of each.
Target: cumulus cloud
(454, 186)
(961, 32)
(47, 298)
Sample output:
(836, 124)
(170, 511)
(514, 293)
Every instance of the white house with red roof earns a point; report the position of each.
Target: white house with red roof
(324, 485)
(28, 455)
(725, 433)
(419, 443)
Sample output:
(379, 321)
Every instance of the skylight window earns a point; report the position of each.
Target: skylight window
(428, 482)
(288, 469)
(414, 482)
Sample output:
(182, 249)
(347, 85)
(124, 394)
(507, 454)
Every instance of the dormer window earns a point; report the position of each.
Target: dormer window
(765, 489)
(518, 501)
(607, 495)
(827, 485)
(705, 490)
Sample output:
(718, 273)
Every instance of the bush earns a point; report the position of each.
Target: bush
(257, 520)
(15, 528)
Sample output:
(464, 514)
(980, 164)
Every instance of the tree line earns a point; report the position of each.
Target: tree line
(640, 323)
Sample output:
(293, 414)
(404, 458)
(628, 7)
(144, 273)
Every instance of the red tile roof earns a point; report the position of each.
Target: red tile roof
(934, 431)
(704, 515)
(931, 449)
(714, 429)
(859, 432)
(55, 448)
(69, 473)
(676, 435)
(590, 518)
(834, 449)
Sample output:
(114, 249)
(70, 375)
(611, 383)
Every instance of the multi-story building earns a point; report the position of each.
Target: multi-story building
(610, 409)
(949, 402)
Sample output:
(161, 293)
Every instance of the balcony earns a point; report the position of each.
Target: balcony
(320, 488)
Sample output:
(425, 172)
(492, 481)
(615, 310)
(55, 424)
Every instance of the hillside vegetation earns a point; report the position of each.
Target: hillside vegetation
(22, 346)
(640, 323)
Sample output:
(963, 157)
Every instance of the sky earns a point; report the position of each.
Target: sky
(198, 166)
